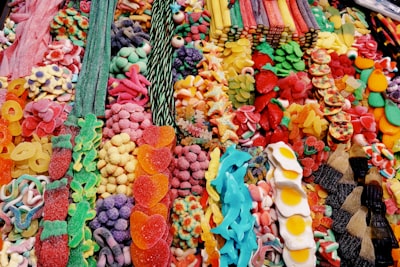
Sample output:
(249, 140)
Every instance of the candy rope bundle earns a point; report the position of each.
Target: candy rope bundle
(161, 91)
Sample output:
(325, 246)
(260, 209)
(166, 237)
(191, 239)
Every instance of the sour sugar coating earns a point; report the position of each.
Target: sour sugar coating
(115, 209)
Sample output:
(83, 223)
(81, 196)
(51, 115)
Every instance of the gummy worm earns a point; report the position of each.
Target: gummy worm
(101, 233)
(18, 216)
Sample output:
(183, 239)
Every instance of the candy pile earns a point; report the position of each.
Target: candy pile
(282, 150)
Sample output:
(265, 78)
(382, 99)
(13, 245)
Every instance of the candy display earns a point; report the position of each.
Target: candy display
(187, 133)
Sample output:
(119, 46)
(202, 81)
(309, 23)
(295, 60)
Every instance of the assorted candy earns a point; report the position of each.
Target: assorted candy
(283, 149)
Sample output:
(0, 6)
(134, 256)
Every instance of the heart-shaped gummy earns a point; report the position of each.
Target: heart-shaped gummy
(153, 160)
(158, 255)
(159, 208)
(149, 190)
(159, 136)
(146, 231)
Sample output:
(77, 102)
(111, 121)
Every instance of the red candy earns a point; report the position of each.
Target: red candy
(158, 255)
(149, 190)
(266, 81)
(56, 207)
(158, 136)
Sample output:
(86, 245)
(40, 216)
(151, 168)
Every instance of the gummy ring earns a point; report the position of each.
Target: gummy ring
(6, 150)
(24, 150)
(40, 162)
(5, 135)
(15, 128)
(11, 110)
(247, 70)
(17, 86)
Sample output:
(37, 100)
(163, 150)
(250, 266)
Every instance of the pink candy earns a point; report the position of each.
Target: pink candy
(44, 117)
(129, 118)
(189, 166)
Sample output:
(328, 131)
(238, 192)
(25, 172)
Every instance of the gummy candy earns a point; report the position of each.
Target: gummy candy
(149, 190)
(5, 170)
(158, 255)
(146, 231)
(159, 136)
(153, 160)
(159, 208)
(11, 110)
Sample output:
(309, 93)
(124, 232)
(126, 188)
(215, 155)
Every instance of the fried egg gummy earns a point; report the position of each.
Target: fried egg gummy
(294, 213)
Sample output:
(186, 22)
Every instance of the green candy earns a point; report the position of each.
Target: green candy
(392, 112)
(376, 100)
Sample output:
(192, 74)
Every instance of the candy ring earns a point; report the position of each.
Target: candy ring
(17, 86)
(247, 70)
(40, 163)
(24, 150)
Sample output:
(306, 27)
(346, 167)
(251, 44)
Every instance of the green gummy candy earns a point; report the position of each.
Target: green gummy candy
(280, 52)
(141, 53)
(61, 141)
(392, 112)
(376, 100)
(53, 228)
(124, 52)
(286, 65)
(299, 65)
(279, 58)
(121, 62)
(57, 184)
(133, 57)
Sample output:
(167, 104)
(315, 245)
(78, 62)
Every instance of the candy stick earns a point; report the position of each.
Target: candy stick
(297, 16)
(286, 16)
(217, 16)
(226, 16)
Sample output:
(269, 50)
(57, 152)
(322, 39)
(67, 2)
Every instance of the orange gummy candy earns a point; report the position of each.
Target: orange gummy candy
(159, 136)
(153, 160)
(5, 170)
(149, 190)
(146, 230)
(5, 135)
(159, 208)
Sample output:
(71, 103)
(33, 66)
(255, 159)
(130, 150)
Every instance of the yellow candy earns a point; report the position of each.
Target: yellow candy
(11, 110)
(40, 162)
(24, 150)
(15, 128)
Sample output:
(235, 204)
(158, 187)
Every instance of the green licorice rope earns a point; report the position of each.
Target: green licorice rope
(91, 88)
(160, 64)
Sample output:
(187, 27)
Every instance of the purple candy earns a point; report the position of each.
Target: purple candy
(125, 212)
(108, 203)
(121, 224)
(113, 214)
(95, 224)
(121, 236)
(102, 217)
(110, 223)
(120, 200)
